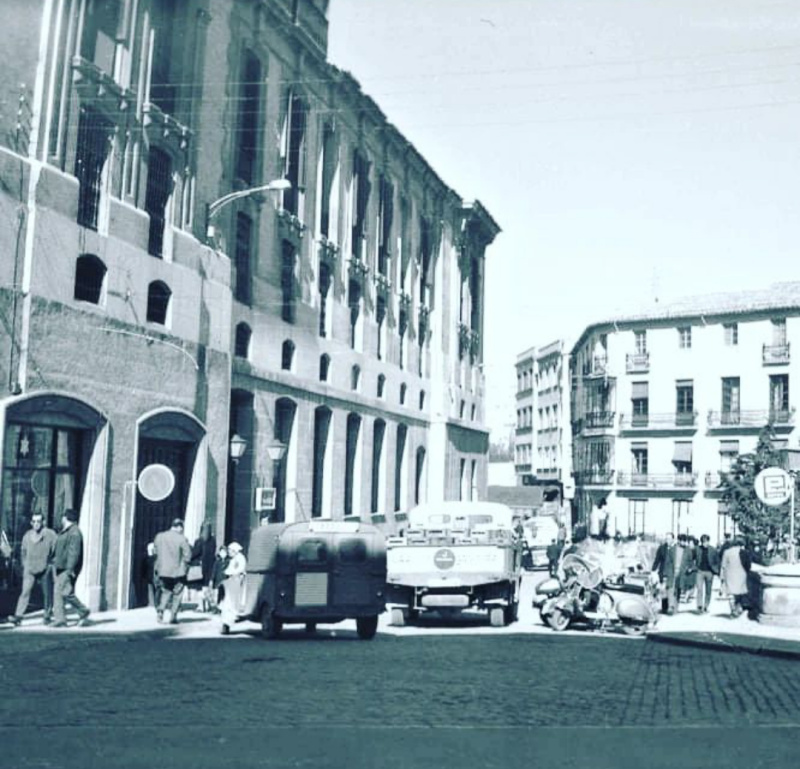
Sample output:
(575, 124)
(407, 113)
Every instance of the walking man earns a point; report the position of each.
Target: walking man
(173, 553)
(706, 561)
(67, 563)
(668, 563)
(37, 550)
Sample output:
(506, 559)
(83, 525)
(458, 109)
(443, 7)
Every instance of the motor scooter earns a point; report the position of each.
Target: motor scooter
(584, 598)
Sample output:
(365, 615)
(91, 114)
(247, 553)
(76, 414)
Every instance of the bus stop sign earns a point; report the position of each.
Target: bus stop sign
(773, 486)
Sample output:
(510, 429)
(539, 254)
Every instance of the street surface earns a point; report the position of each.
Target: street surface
(438, 696)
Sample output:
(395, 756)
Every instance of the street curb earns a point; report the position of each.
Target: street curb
(730, 642)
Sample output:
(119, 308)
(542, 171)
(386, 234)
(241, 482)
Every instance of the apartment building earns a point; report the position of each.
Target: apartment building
(663, 402)
(542, 435)
(187, 337)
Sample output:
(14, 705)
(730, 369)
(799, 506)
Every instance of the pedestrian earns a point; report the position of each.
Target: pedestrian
(706, 562)
(688, 579)
(234, 585)
(218, 575)
(173, 553)
(37, 551)
(150, 576)
(67, 562)
(734, 565)
(668, 563)
(553, 553)
(204, 552)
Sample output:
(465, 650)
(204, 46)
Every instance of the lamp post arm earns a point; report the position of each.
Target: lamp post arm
(215, 207)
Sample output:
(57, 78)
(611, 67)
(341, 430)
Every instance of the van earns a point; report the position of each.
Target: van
(308, 573)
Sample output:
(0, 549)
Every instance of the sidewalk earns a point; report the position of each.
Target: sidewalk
(718, 630)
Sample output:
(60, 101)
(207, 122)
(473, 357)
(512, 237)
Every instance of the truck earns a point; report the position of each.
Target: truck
(540, 531)
(455, 556)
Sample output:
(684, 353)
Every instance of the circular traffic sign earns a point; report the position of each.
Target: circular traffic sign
(444, 558)
(156, 482)
(773, 486)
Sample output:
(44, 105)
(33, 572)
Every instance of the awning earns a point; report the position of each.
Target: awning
(638, 390)
(729, 447)
(683, 452)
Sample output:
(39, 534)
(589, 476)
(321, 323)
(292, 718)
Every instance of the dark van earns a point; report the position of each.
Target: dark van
(312, 572)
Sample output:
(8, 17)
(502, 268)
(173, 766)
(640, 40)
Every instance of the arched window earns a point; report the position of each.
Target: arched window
(241, 346)
(287, 355)
(381, 385)
(378, 477)
(403, 390)
(324, 367)
(421, 399)
(322, 461)
(90, 275)
(400, 488)
(419, 472)
(285, 469)
(158, 302)
(352, 465)
(355, 377)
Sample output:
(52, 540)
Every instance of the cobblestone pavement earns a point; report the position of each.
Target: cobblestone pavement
(111, 693)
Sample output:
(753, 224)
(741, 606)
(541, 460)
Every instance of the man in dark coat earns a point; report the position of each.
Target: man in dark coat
(706, 562)
(67, 563)
(553, 553)
(670, 566)
(173, 554)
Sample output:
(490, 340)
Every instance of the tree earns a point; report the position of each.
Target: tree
(753, 518)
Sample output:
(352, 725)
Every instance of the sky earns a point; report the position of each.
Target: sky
(632, 151)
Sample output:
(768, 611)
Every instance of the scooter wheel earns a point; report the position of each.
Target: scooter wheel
(634, 628)
(557, 620)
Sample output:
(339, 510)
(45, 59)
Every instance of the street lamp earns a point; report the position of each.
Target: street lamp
(212, 209)
(276, 450)
(238, 446)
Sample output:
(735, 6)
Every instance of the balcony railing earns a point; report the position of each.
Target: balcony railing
(670, 421)
(595, 419)
(658, 481)
(596, 477)
(745, 419)
(637, 362)
(713, 480)
(775, 354)
(596, 367)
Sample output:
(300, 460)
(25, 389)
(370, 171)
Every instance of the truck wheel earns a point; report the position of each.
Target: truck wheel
(366, 627)
(225, 629)
(311, 628)
(511, 613)
(270, 624)
(634, 628)
(497, 616)
(398, 617)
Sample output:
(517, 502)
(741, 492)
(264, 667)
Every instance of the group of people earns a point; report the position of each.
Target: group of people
(173, 565)
(687, 567)
(53, 561)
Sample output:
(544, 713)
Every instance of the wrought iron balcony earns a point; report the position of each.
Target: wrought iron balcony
(328, 252)
(750, 419)
(657, 480)
(680, 420)
(598, 477)
(596, 367)
(637, 362)
(598, 419)
(775, 354)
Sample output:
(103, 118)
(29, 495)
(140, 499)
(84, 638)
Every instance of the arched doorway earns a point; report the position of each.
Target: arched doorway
(170, 439)
(48, 445)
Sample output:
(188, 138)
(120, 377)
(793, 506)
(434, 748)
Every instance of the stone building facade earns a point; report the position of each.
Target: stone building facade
(341, 318)
(663, 402)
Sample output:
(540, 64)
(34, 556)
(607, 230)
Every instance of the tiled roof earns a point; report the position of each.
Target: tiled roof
(779, 296)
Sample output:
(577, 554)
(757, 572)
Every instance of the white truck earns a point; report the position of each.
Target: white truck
(455, 556)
